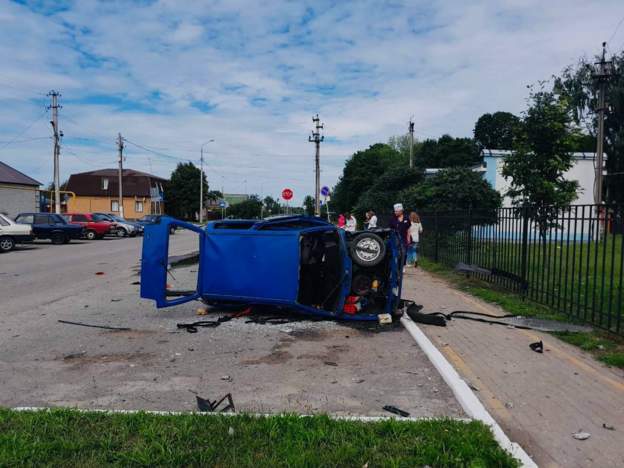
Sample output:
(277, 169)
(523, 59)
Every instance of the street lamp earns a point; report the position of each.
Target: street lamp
(201, 182)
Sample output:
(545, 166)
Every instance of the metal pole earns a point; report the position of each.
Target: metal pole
(201, 186)
(120, 147)
(317, 138)
(411, 148)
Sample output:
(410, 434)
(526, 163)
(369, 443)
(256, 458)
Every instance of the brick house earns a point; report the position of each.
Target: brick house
(18, 192)
(98, 191)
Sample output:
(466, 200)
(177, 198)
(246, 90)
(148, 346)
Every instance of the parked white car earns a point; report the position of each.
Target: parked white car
(12, 233)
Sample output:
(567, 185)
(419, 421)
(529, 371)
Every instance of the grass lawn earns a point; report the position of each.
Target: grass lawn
(72, 438)
(604, 346)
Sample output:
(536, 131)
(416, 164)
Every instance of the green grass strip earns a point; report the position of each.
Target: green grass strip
(79, 439)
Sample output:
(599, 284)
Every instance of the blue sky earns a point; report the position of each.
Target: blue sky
(171, 75)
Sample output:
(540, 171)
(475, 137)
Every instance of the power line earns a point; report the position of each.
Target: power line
(616, 30)
(28, 127)
(11, 142)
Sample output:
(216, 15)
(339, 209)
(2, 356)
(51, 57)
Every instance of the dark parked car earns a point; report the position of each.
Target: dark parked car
(51, 226)
(153, 219)
(297, 263)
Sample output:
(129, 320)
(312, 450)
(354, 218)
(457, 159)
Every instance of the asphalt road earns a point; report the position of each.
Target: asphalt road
(300, 366)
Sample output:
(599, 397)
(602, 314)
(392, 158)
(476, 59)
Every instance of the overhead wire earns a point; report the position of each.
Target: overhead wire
(28, 127)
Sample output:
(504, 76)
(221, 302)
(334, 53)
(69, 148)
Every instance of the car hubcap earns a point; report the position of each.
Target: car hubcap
(367, 250)
(5, 244)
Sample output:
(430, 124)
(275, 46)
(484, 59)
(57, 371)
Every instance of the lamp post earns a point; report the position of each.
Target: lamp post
(201, 182)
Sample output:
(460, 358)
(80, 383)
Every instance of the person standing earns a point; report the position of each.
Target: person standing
(341, 221)
(401, 224)
(372, 220)
(351, 225)
(413, 237)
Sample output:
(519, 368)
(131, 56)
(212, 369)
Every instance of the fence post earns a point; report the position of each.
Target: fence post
(437, 236)
(469, 238)
(525, 249)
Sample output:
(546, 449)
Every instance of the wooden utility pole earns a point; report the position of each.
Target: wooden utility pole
(601, 75)
(57, 148)
(317, 138)
(120, 147)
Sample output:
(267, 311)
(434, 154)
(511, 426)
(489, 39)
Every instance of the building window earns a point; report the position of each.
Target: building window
(104, 184)
(138, 206)
(114, 205)
(153, 208)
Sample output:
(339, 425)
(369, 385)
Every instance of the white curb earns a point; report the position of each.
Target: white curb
(464, 395)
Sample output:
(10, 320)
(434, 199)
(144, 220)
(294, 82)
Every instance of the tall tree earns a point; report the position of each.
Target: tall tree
(452, 189)
(182, 193)
(542, 153)
(308, 205)
(580, 89)
(496, 131)
(360, 172)
(447, 152)
(248, 209)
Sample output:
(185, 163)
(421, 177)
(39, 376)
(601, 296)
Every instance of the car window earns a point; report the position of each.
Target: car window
(101, 217)
(41, 219)
(25, 219)
(54, 218)
(67, 218)
(80, 218)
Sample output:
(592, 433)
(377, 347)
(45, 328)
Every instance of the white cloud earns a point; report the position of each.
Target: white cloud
(262, 69)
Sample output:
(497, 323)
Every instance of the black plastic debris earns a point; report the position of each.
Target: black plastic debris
(395, 410)
(538, 346)
(208, 406)
(106, 327)
(192, 327)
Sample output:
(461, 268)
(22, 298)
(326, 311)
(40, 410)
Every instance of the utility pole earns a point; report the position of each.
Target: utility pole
(201, 183)
(317, 138)
(411, 132)
(54, 105)
(601, 76)
(120, 147)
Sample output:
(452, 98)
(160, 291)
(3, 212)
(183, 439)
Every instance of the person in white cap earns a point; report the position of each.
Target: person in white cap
(401, 224)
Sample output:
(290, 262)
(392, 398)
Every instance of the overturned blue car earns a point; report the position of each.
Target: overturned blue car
(299, 263)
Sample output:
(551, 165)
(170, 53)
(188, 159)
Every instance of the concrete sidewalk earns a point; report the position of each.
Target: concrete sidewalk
(539, 400)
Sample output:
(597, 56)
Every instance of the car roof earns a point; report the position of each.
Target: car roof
(282, 223)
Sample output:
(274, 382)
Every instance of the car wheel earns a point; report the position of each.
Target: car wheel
(58, 238)
(90, 235)
(121, 232)
(367, 249)
(6, 244)
(66, 240)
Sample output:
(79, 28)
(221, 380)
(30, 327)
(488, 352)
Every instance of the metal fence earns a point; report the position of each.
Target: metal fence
(575, 265)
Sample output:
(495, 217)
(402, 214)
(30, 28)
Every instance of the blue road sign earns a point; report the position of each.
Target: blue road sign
(325, 190)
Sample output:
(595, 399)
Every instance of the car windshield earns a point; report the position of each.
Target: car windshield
(101, 217)
(149, 218)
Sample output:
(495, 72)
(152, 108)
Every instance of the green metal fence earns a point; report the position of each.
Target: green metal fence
(575, 265)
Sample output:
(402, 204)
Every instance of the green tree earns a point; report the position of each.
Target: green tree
(541, 155)
(401, 143)
(308, 205)
(360, 172)
(496, 131)
(581, 90)
(182, 192)
(384, 192)
(271, 206)
(447, 152)
(248, 209)
(453, 189)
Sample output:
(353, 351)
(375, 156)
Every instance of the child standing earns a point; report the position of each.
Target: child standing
(413, 238)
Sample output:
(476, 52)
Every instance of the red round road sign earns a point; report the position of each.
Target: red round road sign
(287, 194)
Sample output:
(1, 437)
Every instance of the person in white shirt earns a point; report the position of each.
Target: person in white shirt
(351, 225)
(372, 220)
(413, 237)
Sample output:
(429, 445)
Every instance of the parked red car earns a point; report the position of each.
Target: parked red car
(92, 229)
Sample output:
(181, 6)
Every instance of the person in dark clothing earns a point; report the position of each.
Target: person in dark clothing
(401, 224)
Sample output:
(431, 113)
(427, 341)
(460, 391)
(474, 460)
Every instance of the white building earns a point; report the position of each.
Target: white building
(582, 171)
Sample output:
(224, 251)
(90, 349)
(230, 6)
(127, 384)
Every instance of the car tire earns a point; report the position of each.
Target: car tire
(172, 230)
(66, 240)
(90, 235)
(121, 232)
(7, 244)
(58, 238)
(367, 249)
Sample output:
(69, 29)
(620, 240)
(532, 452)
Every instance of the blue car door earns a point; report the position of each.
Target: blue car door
(41, 225)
